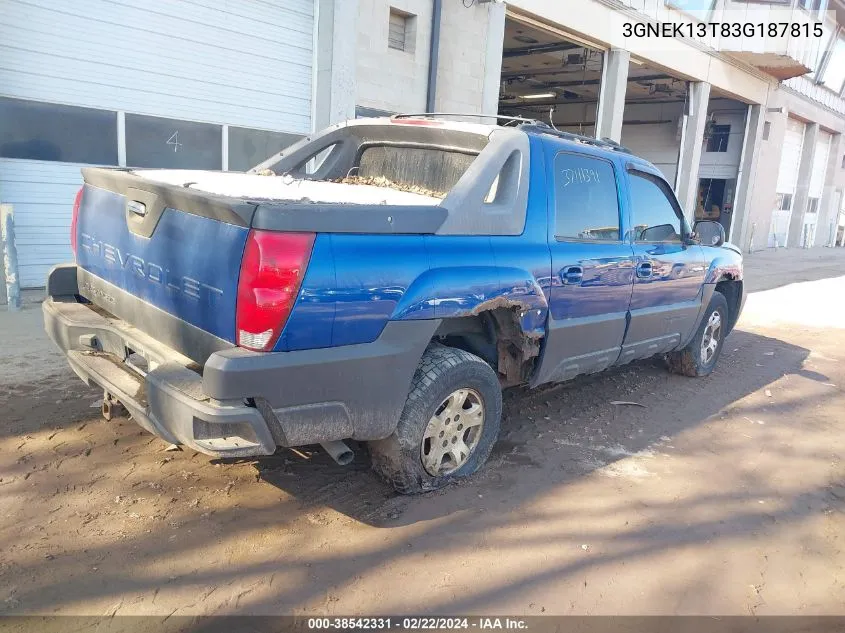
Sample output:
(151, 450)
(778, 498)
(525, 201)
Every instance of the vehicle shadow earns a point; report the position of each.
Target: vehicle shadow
(549, 435)
(280, 546)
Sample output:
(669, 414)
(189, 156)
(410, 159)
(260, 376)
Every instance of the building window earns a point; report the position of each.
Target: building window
(784, 202)
(400, 34)
(248, 147)
(813, 6)
(701, 9)
(718, 141)
(833, 74)
(169, 143)
(767, 129)
(813, 205)
(46, 131)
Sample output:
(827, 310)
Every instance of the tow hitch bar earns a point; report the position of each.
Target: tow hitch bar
(112, 408)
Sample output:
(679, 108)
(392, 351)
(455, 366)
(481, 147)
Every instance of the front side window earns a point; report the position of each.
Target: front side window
(586, 199)
(654, 214)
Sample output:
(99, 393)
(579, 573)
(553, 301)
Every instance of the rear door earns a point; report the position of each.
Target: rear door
(669, 274)
(592, 266)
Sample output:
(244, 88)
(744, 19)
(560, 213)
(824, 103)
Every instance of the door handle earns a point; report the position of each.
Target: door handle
(571, 275)
(644, 270)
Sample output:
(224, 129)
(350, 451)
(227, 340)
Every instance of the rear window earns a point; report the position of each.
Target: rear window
(434, 171)
(429, 160)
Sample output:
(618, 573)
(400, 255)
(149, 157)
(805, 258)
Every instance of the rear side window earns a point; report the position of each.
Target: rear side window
(654, 215)
(586, 199)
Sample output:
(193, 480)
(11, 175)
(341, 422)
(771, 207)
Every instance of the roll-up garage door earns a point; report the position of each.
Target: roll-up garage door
(198, 84)
(816, 189)
(790, 160)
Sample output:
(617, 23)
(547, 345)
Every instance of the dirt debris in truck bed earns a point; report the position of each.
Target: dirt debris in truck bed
(373, 181)
(381, 181)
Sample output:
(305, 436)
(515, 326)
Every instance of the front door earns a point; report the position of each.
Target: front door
(592, 266)
(668, 274)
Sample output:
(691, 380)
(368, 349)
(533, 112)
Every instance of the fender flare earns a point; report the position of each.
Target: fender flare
(454, 292)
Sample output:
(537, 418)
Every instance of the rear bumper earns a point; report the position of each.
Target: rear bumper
(168, 400)
(240, 403)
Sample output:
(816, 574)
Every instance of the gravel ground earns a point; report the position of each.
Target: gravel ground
(722, 495)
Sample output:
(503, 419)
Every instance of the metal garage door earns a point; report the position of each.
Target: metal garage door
(42, 196)
(816, 189)
(790, 160)
(188, 83)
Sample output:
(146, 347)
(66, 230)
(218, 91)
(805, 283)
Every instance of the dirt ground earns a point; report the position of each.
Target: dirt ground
(722, 495)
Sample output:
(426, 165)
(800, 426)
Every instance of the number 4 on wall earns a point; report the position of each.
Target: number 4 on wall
(174, 141)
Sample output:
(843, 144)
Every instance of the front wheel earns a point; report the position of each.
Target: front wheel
(699, 357)
(448, 426)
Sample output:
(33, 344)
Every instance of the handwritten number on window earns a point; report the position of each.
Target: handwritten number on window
(580, 176)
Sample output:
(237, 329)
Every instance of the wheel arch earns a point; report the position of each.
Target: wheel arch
(499, 337)
(731, 288)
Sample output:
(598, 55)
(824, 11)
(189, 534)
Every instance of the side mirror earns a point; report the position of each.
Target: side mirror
(659, 233)
(709, 233)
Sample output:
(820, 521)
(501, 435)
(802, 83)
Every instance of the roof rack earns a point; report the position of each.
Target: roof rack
(510, 120)
(605, 143)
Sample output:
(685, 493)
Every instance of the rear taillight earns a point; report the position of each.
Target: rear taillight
(74, 219)
(271, 273)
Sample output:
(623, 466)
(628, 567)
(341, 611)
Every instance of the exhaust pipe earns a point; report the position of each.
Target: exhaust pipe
(339, 452)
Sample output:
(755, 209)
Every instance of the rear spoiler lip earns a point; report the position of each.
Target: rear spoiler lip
(276, 216)
(350, 218)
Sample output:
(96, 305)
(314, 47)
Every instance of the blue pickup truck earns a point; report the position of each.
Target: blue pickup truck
(382, 281)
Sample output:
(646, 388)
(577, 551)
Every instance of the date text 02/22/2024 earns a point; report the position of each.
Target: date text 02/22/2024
(417, 623)
(721, 29)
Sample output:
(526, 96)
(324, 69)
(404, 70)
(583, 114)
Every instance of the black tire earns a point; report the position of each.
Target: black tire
(690, 360)
(441, 372)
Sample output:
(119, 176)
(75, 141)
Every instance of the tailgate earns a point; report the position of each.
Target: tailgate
(162, 257)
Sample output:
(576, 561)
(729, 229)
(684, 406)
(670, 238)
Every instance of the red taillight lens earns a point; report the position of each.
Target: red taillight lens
(74, 219)
(271, 273)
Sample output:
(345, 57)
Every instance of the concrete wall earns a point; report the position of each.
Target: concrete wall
(469, 65)
(389, 79)
(782, 104)
(463, 61)
(764, 181)
(335, 73)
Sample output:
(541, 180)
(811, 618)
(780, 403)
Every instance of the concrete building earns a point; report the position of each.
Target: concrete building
(748, 128)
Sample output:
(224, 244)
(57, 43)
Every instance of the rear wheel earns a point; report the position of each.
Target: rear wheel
(699, 357)
(448, 426)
